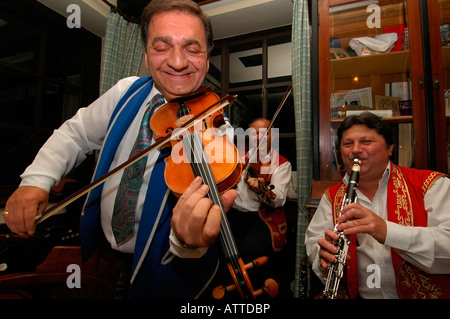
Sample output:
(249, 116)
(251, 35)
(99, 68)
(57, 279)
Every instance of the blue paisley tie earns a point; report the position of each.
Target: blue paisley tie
(127, 195)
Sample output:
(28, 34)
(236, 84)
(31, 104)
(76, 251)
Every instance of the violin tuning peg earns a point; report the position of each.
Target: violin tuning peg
(260, 261)
(220, 291)
(271, 287)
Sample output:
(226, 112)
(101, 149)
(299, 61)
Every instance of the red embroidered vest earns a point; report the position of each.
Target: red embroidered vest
(405, 205)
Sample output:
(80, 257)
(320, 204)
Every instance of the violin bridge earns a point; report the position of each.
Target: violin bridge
(184, 119)
(183, 114)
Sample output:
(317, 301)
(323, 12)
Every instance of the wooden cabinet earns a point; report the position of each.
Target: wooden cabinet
(349, 81)
(439, 24)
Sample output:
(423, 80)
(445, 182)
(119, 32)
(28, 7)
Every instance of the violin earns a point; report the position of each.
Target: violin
(159, 144)
(203, 151)
(178, 117)
(221, 152)
(264, 187)
(253, 167)
(171, 124)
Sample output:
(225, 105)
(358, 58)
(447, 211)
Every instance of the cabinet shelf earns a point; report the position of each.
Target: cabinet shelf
(377, 64)
(389, 120)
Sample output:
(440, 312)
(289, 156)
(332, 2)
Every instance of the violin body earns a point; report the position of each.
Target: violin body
(176, 113)
(222, 157)
(222, 154)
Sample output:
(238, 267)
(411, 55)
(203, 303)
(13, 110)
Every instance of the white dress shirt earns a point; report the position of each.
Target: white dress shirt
(82, 135)
(425, 247)
(248, 201)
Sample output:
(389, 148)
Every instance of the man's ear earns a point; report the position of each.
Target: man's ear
(146, 58)
(391, 149)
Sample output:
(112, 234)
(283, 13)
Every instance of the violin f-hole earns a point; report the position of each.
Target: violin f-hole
(170, 129)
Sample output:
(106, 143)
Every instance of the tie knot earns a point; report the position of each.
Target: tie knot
(156, 101)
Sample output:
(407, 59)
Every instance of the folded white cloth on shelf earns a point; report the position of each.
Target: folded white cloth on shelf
(382, 43)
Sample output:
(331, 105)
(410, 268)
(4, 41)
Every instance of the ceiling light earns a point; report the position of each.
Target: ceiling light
(221, 7)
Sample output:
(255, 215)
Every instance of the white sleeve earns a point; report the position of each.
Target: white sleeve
(321, 221)
(427, 247)
(280, 180)
(74, 140)
(176, 247)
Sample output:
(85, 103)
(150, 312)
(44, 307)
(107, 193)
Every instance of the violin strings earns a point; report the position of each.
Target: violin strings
(204, 170)
(201, 168)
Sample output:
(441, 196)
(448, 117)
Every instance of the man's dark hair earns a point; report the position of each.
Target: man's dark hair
(368, 119)
(159, 6)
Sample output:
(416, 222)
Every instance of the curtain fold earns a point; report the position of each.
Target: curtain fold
(122, 51)
(301, 81)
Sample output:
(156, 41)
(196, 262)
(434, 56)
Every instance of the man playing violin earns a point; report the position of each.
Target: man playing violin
(257, 217)
(178, 39)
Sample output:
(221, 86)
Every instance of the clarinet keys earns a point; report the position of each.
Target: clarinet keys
(336, 269)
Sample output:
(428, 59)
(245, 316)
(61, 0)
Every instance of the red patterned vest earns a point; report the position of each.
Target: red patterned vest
(405, 206)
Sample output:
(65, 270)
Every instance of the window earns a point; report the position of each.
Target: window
(47, 72)
(257, 68)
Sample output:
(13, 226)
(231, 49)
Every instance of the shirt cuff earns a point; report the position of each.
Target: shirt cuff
(178, 249)
(41, 181)
(398, 236)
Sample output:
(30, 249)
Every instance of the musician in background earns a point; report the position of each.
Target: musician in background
(401, 216)
(257, 218)
(153, 228)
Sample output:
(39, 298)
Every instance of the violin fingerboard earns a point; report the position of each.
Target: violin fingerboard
(200, 166)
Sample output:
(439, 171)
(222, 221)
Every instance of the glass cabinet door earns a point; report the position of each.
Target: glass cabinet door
(367, 49)
(444, 28)
(437, 13)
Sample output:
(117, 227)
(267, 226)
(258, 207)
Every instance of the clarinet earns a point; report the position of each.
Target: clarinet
(336, 269)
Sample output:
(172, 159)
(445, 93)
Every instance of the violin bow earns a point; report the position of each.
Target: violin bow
(283, 101)
(218, 105)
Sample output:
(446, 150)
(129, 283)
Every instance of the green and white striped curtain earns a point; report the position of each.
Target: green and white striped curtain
(122, 51)
(301, 81)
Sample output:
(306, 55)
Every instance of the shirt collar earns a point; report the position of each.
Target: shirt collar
(267, 158)
(386, 173)
(384, 178)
